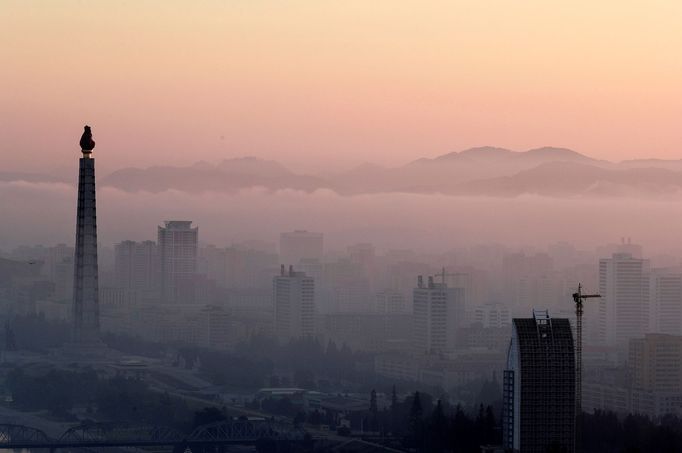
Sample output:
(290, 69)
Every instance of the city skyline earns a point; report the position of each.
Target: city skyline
(324, 226)
(179, 291)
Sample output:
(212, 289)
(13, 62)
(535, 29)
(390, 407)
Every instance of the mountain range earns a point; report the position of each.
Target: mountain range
(482, 171)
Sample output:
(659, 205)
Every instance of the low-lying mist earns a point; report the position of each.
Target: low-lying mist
(45, 213)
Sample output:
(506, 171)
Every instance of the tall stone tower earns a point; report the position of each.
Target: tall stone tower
(85, 285)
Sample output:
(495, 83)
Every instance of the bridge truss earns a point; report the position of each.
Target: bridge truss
(97, 435)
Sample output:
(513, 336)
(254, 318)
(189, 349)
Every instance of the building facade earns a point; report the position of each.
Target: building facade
(666, 301)
(390, 301)
(491, 316)
(294, 304)
(539, 386)
(178, 247)
(655, 362)
(136, 269)
(624, 302)
(438, 311)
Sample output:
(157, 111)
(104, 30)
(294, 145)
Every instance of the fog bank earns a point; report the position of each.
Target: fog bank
(45, 213)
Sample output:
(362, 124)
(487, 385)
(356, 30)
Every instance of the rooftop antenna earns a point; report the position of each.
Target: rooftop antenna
(578, 298)
(443, 275)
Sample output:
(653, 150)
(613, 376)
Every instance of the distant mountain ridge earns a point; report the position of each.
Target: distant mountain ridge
(227, 176)
(489, 152)
(481, 171)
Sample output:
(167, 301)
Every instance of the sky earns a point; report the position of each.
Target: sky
(320, 84)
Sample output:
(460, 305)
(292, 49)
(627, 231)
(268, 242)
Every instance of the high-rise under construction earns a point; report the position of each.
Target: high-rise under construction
(539, 386)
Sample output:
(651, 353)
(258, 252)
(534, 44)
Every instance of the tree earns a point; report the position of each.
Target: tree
(416, 422)
(315, 417)
(490, 433)
(416, 409)
(373, 410)
(437, 430)
(394, 399)
(208, 415)
(304, 378)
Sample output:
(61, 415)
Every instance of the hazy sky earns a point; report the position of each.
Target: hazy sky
(316, 82)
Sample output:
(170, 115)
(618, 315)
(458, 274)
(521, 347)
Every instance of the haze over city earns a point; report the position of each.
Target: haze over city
(305, 226)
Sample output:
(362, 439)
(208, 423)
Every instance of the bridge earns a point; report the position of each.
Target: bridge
(233, 431)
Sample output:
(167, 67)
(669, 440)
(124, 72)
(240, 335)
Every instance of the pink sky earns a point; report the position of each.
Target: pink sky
(319, 83)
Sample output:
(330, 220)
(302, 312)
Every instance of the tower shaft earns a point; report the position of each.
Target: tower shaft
(85, 280)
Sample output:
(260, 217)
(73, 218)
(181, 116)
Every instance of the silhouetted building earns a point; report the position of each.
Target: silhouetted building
(294, 304)
(539, 386)
(178, 246)
(368, 331)
(193, 324)
(650, 385)
(655, 362)
(438, 311)
(208, 327)
(85, 279)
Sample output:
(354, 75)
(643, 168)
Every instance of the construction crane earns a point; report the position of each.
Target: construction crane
(578, 299)
(444, 275)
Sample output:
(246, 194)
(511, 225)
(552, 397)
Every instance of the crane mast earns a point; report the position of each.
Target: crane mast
(578, 298)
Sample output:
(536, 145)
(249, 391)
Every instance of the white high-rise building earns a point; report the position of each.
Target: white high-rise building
(624, 305)
(666, 301)
(390, 301)
(136, 269)
(294, 304)
(625, 246)
(56, 256)
(300, 245)
(438, 311)
(178, 245)
(492, 315)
